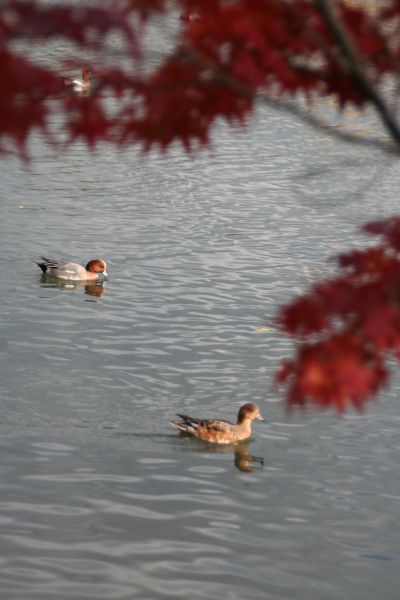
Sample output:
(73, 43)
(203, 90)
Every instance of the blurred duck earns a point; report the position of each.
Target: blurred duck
(95, 269)
(220, 432)
(78, 85)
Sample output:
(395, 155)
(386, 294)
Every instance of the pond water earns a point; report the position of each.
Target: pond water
(99, 497)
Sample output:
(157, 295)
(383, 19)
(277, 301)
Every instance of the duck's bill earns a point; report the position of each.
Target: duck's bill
(260, 418)
(105, 274)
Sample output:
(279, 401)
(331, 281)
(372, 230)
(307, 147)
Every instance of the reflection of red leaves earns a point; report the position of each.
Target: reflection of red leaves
(345, 326)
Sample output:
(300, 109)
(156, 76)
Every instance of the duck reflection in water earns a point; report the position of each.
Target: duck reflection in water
(242, 459)
(91, 288)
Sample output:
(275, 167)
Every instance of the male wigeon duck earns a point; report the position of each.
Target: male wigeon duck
(79, 85)
(220, 432)
(95, 269)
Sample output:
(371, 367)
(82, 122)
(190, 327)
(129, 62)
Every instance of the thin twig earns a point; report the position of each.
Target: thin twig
(224, 78)
(315, 122)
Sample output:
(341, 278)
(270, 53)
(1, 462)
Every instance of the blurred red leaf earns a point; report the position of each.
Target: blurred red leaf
(348, 325)
(338, 372)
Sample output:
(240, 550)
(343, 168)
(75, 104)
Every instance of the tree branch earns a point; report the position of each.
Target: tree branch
(224, 78)
(354, 64)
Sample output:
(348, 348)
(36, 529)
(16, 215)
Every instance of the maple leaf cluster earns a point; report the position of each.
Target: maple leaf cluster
(227, 54)
(347, 326)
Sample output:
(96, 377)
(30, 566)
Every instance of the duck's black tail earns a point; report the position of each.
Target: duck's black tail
(47, 264)
(187, 424)
(43, 265)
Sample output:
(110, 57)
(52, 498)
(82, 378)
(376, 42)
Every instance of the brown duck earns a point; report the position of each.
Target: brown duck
(219, 431)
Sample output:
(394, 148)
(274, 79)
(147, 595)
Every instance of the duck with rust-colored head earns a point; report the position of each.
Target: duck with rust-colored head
(219, 431)
(70, 271)
(81, 86)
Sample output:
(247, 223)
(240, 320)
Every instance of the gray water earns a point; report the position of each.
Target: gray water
(99, 498)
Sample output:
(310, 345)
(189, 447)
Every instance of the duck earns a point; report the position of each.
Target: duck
(70, 271)
(219, 431)
(80, 86)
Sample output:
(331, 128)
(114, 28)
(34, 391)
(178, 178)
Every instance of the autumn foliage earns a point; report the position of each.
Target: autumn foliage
(347, 326)
(227, 56)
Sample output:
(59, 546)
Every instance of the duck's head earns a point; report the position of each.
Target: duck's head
(250, 412)
(86, 74)
(97, 265)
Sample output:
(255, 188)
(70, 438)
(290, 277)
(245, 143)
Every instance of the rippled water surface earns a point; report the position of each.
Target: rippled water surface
(99, 498)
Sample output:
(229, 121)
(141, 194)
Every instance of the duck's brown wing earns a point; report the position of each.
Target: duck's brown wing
(217, 425)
